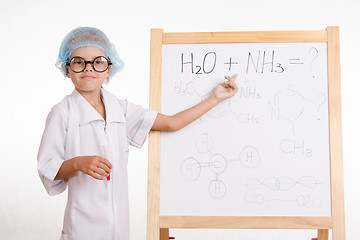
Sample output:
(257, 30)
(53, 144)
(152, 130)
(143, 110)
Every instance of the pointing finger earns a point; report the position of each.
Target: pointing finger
(232, 78)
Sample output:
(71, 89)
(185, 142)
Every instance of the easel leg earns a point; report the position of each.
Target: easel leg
(323, 234)
(164, 234)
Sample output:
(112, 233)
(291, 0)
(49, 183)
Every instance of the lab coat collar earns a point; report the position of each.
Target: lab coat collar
(114, 112)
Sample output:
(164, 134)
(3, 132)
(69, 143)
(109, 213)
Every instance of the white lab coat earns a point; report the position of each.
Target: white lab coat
(96, 209)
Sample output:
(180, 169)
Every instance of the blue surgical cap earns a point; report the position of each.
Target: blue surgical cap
(88, 37)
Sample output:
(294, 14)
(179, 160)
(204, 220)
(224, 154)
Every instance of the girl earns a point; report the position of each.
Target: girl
(85, 142)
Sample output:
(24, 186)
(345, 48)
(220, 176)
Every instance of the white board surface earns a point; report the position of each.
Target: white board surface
(264, 152)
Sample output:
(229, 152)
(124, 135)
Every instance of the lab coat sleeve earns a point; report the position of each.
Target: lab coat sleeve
(138, 123)
(52, 150)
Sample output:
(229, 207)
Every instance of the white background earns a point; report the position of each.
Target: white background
(30, 36)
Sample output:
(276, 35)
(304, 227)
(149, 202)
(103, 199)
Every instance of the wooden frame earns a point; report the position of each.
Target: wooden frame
(158, 226)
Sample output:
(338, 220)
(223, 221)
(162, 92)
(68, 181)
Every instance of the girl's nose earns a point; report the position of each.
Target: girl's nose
(88, 67)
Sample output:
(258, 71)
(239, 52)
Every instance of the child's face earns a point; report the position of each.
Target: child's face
(88, 80)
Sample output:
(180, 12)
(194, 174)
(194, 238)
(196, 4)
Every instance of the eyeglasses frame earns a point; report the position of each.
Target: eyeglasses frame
(86, 62)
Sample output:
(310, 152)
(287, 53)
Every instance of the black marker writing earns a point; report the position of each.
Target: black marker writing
(230, 63)
(191, 62)
(208, 63)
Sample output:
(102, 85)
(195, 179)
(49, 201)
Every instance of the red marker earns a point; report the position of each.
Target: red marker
(108, 178)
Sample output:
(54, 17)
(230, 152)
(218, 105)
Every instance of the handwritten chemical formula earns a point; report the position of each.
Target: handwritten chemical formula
(256, 63)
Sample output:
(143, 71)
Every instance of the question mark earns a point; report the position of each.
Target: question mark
(320, 95)
(316, 55)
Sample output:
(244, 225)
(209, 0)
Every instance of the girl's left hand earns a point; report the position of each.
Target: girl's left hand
(227, 89)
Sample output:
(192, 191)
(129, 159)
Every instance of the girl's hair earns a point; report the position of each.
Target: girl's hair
(88, 37)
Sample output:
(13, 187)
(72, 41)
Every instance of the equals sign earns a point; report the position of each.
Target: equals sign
(295, 61)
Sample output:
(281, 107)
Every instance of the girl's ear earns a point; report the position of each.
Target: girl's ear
(108, 72)
(67, 71)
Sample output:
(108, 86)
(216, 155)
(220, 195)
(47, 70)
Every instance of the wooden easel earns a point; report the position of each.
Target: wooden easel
(158, 226)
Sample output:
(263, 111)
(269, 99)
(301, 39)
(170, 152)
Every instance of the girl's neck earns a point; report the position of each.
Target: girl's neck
(95, 100)
(93, 97)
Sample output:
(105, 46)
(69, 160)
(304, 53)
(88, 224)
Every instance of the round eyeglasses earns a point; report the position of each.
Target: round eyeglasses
(99, 64)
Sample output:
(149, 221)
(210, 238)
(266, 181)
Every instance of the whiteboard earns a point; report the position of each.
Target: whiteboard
(264, 152)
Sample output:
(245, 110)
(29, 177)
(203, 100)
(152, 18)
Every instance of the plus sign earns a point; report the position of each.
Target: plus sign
(230, 62)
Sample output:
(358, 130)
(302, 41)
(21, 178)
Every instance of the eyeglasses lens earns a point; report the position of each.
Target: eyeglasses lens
(100, 64)
(77, 64)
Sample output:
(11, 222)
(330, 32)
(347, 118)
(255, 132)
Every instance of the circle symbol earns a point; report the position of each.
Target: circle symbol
(250, 157)
(217, 163)
(190, 169)
(217, 189)
(204, 143)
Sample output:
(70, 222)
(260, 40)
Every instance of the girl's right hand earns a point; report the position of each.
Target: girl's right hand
(94, 166)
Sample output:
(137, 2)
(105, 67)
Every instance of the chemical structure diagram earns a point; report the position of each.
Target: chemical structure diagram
(250, 158)
(283, 184)
(287, 105)
(191, 167)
